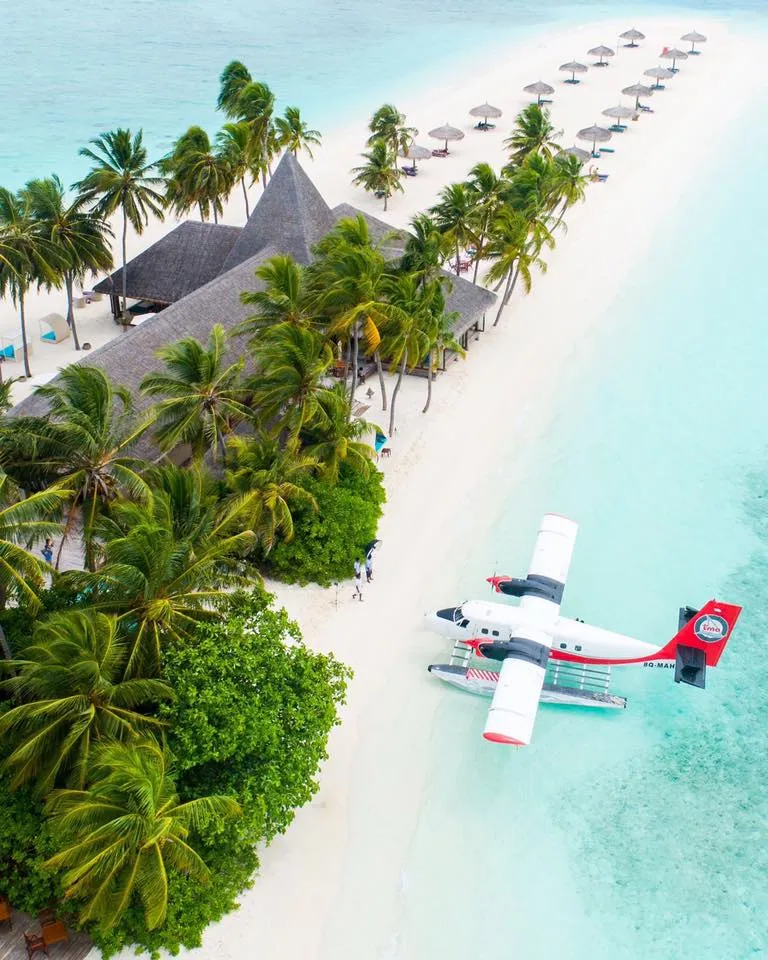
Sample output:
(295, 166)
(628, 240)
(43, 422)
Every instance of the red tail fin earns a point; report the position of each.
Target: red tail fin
(708, 630)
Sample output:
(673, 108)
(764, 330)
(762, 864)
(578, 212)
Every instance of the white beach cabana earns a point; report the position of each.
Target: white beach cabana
(54, 328)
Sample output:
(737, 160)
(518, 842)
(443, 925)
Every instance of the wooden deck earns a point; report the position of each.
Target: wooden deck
(12, 941)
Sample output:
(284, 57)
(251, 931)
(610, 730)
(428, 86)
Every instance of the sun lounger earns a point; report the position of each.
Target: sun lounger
(544, 101)
(409, 171)
(642, 106)
(485, 126)
(607, 150)
(440, 153)
(617, 128)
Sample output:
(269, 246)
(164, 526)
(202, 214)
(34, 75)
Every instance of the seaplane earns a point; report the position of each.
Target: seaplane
(547, 658)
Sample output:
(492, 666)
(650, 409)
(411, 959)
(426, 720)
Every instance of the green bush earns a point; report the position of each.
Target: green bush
(326, 542)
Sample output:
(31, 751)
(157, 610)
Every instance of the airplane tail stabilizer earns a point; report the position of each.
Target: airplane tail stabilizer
(700, 641)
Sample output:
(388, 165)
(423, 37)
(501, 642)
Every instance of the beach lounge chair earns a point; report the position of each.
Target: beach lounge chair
(58, 328)
(6, 913)
(442, 152)
(12, 348)
(607, 150)
(409, 171)
(485, 126)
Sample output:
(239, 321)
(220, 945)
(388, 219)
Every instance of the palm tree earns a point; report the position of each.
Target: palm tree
(379, 175)
(441, 338)
(23, 521)
(267, 482)
(120, 180)
(79, 235)
(125, 832)
(6, 391)
(347, 280)
(454, 218)
(163, 572)
(234, 77)
(489, 192)
(567, 183)
(26, 257)
(203, 398)
(284, 299)
(83, 446)
(70, 694)
(408, 343)
(533, 133)
(256, 105)
(293, 133)
(335, 437)
(513, 253)
(388, 124)
(292, 363)
(424, 248)
(199, 176)
(235, 143)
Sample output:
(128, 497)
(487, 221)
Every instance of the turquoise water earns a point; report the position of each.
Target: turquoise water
(641, 835)
(74, 68)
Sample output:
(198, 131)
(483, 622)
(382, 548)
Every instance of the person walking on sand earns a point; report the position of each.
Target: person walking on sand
(358, 594)
(47, 551)
(369, 567)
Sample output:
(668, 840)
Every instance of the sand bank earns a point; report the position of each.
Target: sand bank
(331, 887)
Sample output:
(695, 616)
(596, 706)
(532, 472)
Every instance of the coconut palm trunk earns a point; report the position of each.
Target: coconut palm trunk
(69, 284)
(382, 384)
(511, 281)
(355, 351)
(430, 368)
(395, 392)
(24, 341)
(458, 262)
(125, 263)
(245, 197)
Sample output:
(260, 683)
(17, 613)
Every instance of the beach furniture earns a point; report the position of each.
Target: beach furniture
(54, 932)
(674, 55)
(633, 36)
(6, 913)
(485, 110)
(693, 38)
(638, 90)
(602, 52)
(439, 153)
(573, 67)
(607, 150)
(618, 114)
(659, 73)
(581, 155)
(414, 153)
(540, 89)
(34, 944)
(596, 134)
(58, 328)
(445, 133)
(409, 171)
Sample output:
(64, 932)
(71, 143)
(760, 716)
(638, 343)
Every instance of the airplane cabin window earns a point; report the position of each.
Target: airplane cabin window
(563, 646)
(484, 630)
(577, 648)
(495, 633)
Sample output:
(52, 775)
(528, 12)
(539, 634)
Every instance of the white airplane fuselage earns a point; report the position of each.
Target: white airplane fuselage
(571, 639)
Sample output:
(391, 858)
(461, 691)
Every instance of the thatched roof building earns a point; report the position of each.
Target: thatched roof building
(199, 270)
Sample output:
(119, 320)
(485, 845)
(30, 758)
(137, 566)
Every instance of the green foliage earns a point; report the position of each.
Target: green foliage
(253, 710)
(25, 843)
(327, 541)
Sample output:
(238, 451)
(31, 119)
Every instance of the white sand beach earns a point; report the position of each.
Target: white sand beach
(358, 827)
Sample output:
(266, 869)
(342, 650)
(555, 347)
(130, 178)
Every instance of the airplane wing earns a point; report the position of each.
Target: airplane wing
(516, 700)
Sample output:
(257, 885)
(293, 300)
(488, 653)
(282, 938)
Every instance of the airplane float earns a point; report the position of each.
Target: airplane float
(552, 659)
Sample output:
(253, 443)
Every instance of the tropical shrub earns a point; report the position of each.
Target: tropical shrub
(25, 844)
(327, 541)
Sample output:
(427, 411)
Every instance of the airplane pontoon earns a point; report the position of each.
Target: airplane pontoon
(552, 659)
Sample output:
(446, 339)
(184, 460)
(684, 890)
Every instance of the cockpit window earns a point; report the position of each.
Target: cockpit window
(464, 623)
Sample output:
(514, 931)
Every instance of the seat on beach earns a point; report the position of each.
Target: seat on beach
(12, 348)
(58, 328)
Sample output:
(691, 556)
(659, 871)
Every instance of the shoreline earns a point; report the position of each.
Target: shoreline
(359, 825)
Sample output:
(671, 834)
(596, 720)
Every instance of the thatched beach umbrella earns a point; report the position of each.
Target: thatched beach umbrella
(638, 90)
(596, 135)
(693, 38)
(674, 55)
(573, 67)
(601, 51)
(414, 153)
(539, 88)
(633, 36)
(446, 133)
(619, 113)
(658, 73)
(485, 110)
(581, 155)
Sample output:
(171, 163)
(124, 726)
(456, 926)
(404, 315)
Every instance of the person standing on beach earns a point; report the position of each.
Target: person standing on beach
(369, 567)
(358, 594)
(47, 551)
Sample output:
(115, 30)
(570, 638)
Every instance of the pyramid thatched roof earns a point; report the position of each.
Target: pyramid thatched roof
(177, 264)
(290, 215)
